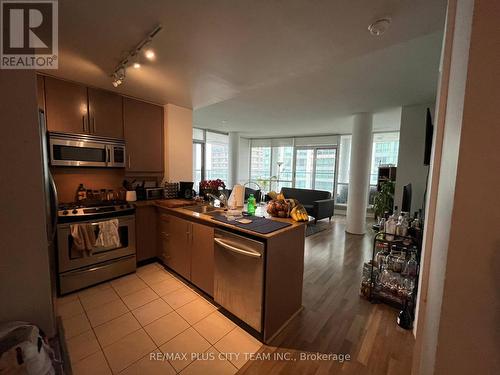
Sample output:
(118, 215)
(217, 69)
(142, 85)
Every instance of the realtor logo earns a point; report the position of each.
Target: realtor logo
(29, 34)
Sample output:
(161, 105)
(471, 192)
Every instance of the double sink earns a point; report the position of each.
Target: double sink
(204, 209)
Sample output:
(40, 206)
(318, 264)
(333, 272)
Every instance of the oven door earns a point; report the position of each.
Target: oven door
(75, 153)
(71, 259)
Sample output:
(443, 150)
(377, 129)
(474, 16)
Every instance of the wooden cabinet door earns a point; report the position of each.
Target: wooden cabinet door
(143, 128)
(66, 106)
(178, 251)
(202, 257)
(145, 232)
(105, 113)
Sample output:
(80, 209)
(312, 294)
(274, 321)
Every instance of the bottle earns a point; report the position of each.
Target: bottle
(251, 204)
(411, 266)
(81, 193)
(390, 228)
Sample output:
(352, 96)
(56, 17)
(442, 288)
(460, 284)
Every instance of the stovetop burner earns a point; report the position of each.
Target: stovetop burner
(93, 208)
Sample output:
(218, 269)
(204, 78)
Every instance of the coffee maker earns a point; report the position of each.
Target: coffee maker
(186, 190)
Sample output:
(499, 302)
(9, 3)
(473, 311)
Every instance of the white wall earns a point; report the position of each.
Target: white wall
(178, 143)
(458, 329)
(25, 286)
(411, 168)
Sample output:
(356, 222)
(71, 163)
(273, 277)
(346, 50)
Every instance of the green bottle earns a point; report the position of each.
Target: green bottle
(251, 204)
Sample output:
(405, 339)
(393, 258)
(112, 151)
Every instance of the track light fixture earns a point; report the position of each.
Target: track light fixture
(118, 74)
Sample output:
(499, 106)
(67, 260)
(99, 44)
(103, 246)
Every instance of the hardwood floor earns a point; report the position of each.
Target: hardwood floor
(335, 319)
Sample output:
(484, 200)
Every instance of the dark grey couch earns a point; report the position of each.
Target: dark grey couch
(318, 203)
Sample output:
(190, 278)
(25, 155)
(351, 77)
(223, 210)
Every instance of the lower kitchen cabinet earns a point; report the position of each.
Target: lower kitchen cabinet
(145, 232)
(202, 257)
(176, 238)
(187, 248)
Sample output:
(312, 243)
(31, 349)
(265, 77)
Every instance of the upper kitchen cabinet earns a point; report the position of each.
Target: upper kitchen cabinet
(143, 128)
(40, 93)
(66, 106)
(105, 113)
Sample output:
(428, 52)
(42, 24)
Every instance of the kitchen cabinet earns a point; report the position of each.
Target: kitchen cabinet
(105, 113)
(66, 106)
(188, 249)
(145, 232)
(202, 257)
(176, 244)
(143, 129)
(40, 93)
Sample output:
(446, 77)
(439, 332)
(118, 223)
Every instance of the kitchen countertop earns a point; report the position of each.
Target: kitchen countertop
(175, 206)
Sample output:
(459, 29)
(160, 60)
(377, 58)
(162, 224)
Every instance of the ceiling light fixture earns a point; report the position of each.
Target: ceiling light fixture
(118, 74)
(380, 26)
(150, 54)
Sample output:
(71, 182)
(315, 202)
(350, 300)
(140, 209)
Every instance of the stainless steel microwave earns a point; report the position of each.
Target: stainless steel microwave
(80, 150)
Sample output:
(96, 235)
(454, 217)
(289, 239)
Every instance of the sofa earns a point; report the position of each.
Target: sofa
(318, 203)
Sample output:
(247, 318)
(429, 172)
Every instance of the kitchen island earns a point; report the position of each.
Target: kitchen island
(188, 244)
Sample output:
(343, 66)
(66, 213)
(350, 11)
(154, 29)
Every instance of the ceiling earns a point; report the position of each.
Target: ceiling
(261, 67)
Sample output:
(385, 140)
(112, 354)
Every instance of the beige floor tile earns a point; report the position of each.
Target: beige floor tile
(69, 309)
(190, 343)
(238, 341)
(106, 312)
(165, 328)
(152, 267)
(154, 276)
(82, 346)
(167, 286)
(128, 350)
(152, 364)
(69, 298)
(75, 325)
(214, 327)
(128, 285)
(139, 298)
(98, 298)
(211, 363)
(94, 289)
(115, 329)
(180, 297)
(151, 311)
(94, 364)
(196, 310)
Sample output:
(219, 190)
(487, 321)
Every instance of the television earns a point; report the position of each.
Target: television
(429, 130)
(406, 203)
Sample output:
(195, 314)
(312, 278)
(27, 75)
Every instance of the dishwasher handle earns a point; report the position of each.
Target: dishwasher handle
(250, 253)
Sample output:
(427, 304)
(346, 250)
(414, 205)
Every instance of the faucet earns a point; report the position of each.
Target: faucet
(222, 199)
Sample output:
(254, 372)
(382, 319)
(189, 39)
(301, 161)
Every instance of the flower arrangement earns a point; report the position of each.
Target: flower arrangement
(211, 186)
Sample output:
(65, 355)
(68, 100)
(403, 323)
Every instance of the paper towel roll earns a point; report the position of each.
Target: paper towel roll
(237, 197)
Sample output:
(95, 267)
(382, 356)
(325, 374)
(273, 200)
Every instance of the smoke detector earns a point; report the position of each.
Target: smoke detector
(380, 26)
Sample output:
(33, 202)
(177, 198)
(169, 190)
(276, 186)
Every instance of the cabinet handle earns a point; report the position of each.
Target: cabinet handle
(129, 164)
(94, 124)
(83, 123)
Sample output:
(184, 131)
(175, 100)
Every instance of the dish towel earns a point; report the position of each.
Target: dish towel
(108, 236)
(83, 237)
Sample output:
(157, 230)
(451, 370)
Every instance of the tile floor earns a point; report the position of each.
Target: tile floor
(115, 328)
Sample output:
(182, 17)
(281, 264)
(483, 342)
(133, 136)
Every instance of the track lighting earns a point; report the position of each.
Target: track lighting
(118, 74)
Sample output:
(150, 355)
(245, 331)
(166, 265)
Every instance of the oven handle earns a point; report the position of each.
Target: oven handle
(97, 268)
(55, 204)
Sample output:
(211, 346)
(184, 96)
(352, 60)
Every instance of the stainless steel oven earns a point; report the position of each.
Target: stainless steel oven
(77, 269)
(80, 150)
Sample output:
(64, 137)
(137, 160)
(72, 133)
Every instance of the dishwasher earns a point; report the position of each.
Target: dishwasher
(239, 276)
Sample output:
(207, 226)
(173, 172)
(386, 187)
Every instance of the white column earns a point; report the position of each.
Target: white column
(234, 158)
(361, 152)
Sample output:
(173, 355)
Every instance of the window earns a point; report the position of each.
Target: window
(271, 163)
(344, 162)
(210, 156)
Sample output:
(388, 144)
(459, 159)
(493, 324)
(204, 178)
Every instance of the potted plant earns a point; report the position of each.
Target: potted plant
(383, 199)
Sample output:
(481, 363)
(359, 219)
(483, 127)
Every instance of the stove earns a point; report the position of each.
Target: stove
(69, 212)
